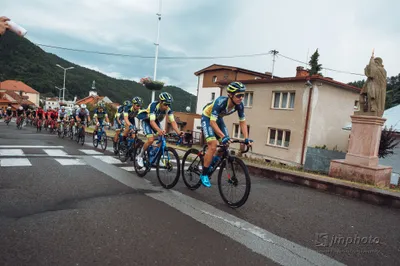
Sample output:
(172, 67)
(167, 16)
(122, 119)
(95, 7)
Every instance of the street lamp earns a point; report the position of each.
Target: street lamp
(157, 45)
(59, 94)
(65, 72)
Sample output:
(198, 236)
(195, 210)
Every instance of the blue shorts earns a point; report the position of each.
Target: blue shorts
(148, 130)
(209, 132)
(116, 125)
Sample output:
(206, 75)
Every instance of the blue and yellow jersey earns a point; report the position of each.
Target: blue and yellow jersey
(219, 108)
(100, 115)
(119, 113)
(153, 113)
(130, 113)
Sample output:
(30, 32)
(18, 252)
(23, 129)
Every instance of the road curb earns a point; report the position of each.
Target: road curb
(331, 185)
(336, 186)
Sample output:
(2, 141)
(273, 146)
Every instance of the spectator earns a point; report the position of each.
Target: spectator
(3, 25)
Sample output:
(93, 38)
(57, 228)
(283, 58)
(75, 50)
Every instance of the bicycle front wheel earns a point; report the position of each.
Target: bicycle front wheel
(234, 180)
(103, 141)
(168, 168)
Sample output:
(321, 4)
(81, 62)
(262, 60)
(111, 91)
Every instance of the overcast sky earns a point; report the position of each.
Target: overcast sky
(344, 31)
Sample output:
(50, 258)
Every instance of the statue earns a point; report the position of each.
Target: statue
(373, 93)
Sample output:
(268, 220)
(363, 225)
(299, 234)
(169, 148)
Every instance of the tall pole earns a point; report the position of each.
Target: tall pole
(157, 45)
(65, 73)
(274, 53)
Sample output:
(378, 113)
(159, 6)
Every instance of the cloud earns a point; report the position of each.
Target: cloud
(345, 32)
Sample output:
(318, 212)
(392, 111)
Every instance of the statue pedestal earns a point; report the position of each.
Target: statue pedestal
(362, 163)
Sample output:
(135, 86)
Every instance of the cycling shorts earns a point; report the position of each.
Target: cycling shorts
(208, 131)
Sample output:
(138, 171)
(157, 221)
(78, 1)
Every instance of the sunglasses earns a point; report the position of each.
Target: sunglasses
(137, 105)
(239, 96)
(166, 104)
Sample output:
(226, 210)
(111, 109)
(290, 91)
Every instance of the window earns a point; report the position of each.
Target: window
(212, 96)
(237, 132)
(214, 79)
(279, 137)
(248, 99)
(283, 100)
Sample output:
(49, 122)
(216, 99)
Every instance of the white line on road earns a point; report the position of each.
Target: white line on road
(70, 161)
(128, 168)
(55, 152)
(15, 162)
(90, 152)
(11, 152)
(255, 238)
(31, 146)
(108, 159)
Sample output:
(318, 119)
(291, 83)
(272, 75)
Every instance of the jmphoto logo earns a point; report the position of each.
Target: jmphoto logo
(326, 240)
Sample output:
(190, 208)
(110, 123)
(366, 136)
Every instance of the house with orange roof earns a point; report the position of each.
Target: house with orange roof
(14, 99)
(21, 89)
(287, 115)
(93, 99)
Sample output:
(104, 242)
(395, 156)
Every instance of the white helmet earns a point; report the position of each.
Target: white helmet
(83, 105)
(21, 108)
(62, 107)
(76, 106)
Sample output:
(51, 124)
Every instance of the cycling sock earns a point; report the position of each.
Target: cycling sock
(205, 171)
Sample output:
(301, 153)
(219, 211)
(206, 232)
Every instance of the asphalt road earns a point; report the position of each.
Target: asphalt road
(66, 204)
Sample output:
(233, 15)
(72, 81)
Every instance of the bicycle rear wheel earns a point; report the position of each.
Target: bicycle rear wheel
(234, 168)
(192, 166)
(168, 163)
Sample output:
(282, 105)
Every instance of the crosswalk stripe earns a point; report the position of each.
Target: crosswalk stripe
(31, 146)
(11, 152)
(108, 159)
(55, 152)
(128, 168)
(70, 161)
(90, 152)
(15, 162)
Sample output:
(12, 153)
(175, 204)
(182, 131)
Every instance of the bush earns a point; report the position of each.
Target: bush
(388, 142)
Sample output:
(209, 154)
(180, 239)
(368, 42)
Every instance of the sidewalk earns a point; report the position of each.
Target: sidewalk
(364, 192)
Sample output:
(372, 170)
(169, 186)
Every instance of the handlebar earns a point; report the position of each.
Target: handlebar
(236, 141)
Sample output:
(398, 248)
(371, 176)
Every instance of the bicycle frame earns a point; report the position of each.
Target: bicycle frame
(161, 149)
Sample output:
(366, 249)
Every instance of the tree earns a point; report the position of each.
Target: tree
(315, 67)
(388, 142)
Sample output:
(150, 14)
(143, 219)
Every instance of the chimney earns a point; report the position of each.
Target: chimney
(301, 72)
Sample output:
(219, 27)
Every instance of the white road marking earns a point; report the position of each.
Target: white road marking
(128, 168)
(31, 146)
(261, 241)
(90, 152)
(55, 152)
(108, 159)
(11, 152)
(70, 161)
(15, 162)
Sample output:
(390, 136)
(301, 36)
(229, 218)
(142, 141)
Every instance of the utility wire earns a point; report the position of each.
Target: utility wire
(189, 57)
(151, 57)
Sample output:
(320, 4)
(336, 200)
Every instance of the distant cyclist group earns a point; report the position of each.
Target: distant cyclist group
(212, 124)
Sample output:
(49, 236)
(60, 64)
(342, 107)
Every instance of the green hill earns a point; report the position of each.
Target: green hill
(22, 60)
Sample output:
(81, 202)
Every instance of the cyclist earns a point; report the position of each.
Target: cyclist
(151, 118)
(82, 114)
(99, 116)
(9, 112)
(62, 115)
(213, 125)
(20, 114)
(39, 113)
(130, 112)
(119, 121)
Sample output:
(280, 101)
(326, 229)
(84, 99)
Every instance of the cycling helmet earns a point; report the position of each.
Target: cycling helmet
(76, 106)
(102, 105)
(235, 87)
(21, 108)
(137, 100)
(83, 105)
(166, 97)
(62, 107)
(126, 103)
